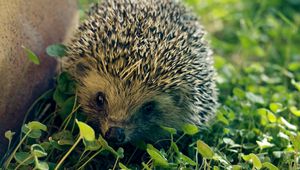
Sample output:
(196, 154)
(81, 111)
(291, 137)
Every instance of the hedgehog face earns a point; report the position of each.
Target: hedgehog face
(126, 112)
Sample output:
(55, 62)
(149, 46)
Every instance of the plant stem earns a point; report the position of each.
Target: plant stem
(68, 153)
(296, 160)
(131, 156)
(33, 105)
(24, 161)
(115, 163)
(148, 163)
(15, 150)
(202, 164)
(196, 159)
(95, 154)
(7, 151)
(69, 117)
(180, 137)
(73, 111)
(81, 157)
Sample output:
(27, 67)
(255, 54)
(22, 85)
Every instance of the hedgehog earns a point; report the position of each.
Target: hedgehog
(140, 65)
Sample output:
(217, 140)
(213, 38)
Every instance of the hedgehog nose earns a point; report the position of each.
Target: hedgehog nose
(115, 135)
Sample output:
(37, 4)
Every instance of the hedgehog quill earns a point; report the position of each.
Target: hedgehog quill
(140, 65)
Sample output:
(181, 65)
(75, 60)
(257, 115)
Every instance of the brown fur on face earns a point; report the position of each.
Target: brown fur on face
(123, 106)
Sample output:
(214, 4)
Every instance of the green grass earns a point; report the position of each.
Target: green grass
(257, 56)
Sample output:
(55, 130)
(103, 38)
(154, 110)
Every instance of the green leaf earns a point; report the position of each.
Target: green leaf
(190, 129)
(264, 144)
(267, 114)
(67, 107)
(204, 150)
(41, 165)
(174, 147)
(220, 117)
(219, 61)
(287, 124)
(120, 152)
(123, 167)
(246, 157)
(32, 56)
(9, 135)
(170, 130)
(35, 125)
(56, 50)
(38, 151)
(59, 97)
(278, 154)
(46, 145)
(271, 117)
(236, 167)
(31, 133)
(220, 159)
(35, 134)
(296, 142)
(239, 93)
(263, 113)
(254, 98)
(249, 146)
(64, 137)
(65, 83)
(20, 157)
(86, 131)
(65, 88)
(55, 144)
(150, 146)
(65, 142)
(294, 66)
(276, 107)
(91, 145)
(157, 156)
(25, 129)
(284, 136)
(269, 166)
(295, 111)
(187, 160)
(228, 141)
(105, 145)
(216, 168)
(296, 84)
(256, 162)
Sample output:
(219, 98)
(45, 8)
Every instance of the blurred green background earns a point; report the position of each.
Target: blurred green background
(256, 30)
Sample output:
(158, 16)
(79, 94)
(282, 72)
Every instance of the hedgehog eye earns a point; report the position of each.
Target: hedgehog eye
(149, 107)
(100, 99)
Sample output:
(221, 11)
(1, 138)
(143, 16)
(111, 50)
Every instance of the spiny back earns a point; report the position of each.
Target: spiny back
(156, 42)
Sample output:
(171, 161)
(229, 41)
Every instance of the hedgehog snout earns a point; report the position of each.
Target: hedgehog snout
(115, 135)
